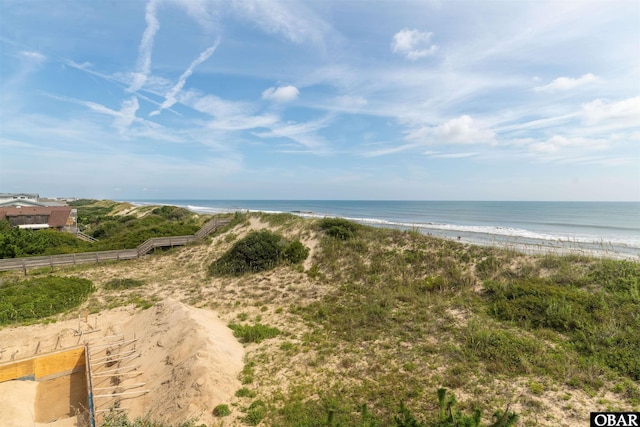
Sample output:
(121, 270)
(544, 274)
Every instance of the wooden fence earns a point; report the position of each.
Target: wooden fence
(116, 255)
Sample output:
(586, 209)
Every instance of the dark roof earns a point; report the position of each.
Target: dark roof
(58, 215)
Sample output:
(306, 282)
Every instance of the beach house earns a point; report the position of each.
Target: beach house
(62, 218)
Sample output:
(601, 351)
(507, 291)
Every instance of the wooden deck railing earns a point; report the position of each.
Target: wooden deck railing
(116, 255)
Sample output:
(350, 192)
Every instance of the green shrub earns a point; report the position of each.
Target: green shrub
(339, 228)
(41, 297)
(255, 414)
(617, 276)
(256, 333)
(296, 252)
(258, 251)
(16, 242)
(245, 392)
(221, 410)
(171, 212)
(602, 325)
(97, 220)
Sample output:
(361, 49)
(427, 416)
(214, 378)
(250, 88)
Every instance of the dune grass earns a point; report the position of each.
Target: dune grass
(379, 320)
(425, 312)
(38, 298)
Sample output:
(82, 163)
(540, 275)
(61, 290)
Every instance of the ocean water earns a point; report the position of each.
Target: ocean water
(598, 228)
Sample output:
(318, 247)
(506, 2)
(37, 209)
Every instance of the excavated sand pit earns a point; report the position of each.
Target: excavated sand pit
(170, 363)
(49, 389)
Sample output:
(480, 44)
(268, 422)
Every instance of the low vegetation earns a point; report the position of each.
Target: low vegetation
(253, 333)
(380, 322)
(258, 251)
(123, 283)
(120, 419)
(424, 311)
(109, 222)
(128, 231)
(600, 323)
(39, 298)
(339, 228)
(17, 242)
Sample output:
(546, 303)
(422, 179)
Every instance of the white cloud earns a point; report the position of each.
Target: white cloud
(301, 133)
(203, 11)
(281, 94)
(451, 155)
(228, 115)
(154, 84)
(413, 44)
(123, 118)
(33, 57)
(623, 112)
(558, 143)
(293, 20)
(170, 97)
(234, 123)
(347, 101)
(145, 48)
(216, 106)
(389, 150)
(127, 114)
(461, 130)
(567, 83)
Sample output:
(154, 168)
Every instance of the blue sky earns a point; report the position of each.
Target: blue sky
(346, 99)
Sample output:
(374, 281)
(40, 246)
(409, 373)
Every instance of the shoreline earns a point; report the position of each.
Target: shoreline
(520, 240)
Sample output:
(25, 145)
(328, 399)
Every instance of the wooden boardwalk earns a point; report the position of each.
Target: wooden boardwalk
(117, 255)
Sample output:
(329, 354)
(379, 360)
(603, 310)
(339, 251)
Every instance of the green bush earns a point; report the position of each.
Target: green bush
(98, 221)
(296, 252)
(41, 297)
(258, 251)
(16, 242)
(255, 414)
(617, 276)
(221, 410)
(585, 316)
(339, 228)
(171, 212)
(256, 333)
(245, 392)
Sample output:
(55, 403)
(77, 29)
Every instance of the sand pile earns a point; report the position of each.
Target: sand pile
(189, 361)
(185, 357)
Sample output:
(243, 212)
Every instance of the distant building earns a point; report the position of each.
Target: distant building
(26, 199)
(19, 196)
(62, 218)
(19, 199)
